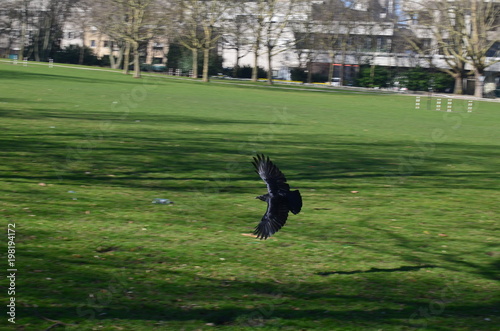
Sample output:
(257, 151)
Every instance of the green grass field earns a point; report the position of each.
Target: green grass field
(399, 228)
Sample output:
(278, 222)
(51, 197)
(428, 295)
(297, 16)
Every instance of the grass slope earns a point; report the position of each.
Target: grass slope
(399, 228)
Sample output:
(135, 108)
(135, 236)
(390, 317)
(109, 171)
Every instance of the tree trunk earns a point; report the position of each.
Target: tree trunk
(255, 68)
(81, 55)
(330, 69)
(22, 41)
(342, 66)
(119, 58)
(270, 69)
(195, 62)
(137, 66)
(206, 57)
(237, 63)
(236, 70)
(478, 80)
(309, 72)
(372, 75)
(36, 49)
(206, 51)
(46, 46)
(112, 62)
(342, 70)
(82, 49)
(126, 59)
(458, 89)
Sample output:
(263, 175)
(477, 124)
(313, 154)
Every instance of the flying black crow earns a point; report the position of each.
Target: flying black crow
(279, 198)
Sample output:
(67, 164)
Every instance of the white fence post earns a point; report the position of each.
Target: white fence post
(449, 107)
(470, 105)
(438, 104)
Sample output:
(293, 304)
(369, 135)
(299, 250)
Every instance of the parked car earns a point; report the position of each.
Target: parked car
(335, 81)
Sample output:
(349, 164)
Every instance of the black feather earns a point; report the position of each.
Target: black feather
(280, 200)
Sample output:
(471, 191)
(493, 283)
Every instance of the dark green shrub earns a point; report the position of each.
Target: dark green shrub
(442, 82)
(246, 72)
(71, 54)
(373, 76)
(298, 74)
(319, 78)
(180, 57)
(417, 79)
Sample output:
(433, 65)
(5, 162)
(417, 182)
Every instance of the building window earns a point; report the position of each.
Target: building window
(71, 35)
(383, 44)
(380, 44)
(368, 43)
(105, 43)
(92, 43)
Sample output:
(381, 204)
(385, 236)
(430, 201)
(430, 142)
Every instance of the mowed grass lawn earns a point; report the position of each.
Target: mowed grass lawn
(399, 228)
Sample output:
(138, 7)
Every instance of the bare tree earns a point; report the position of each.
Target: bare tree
(235, 34)
(310, 38)
(215, 11)
(19, 17)
(329, 30)
(134, 21)
(80, 17)
(279, 14)
(268, 23)
(189, 30)
(257, 19)
(305, 44)
(110, 20)
(432, 36)
(461, 31)
(484, 18)
(9, 21)
(45, 20)
(200, 23)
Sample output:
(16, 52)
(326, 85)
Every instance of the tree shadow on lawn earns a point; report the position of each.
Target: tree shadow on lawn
(46, 78)
(404, 268)
(133, 157)
(459, 261)
(311, 157)
(95, 294)
(111, 118)
(121, 295)
(413, 317)
(86, 290)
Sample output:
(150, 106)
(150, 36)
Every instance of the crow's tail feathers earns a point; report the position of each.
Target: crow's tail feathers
(294, 201)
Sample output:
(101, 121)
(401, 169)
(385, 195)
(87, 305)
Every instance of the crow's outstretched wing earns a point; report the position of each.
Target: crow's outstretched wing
(274, 218)
(279, 201)
(271, 175)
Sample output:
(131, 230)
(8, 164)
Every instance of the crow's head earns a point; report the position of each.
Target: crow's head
(261, 197)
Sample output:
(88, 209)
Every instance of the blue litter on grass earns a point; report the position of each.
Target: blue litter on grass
(162, 201)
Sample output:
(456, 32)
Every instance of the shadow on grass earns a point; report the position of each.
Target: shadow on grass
(404, 268)
(168, 143)
(79, 290)
(135, 158)
(119, 119)
(121, 295)
(18, 75)
(75, 283)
